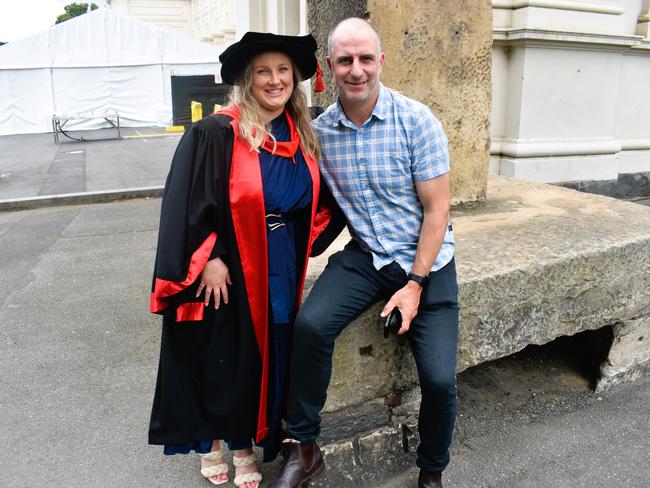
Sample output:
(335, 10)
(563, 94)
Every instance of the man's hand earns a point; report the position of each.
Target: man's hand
(407, 299)
(214, 278)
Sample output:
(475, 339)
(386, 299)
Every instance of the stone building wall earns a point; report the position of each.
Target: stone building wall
(570, 98)
(173, 15)
(214, 21)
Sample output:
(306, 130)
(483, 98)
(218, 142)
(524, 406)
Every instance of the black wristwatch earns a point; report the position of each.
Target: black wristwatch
(419, 279)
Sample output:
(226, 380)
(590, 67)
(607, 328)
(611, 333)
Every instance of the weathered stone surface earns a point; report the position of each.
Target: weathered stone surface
(322, 16)
(537, 262)
(367, 459)
(441, 55)
(629, 356)
(627, 185)
(366, 364)
(347, 423)
(406, 411)
(436, 53)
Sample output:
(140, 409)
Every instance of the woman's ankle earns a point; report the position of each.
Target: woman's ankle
(243, 452)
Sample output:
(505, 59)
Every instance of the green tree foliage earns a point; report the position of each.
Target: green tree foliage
(74, 10)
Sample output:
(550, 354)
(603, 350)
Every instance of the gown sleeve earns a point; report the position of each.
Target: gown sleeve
(191, 215)
(328, 223)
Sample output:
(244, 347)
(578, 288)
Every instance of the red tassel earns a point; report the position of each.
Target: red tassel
(319, 86)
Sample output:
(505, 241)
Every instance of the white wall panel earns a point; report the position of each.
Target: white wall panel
(26, 102)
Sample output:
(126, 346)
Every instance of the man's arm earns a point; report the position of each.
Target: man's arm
(435, 198)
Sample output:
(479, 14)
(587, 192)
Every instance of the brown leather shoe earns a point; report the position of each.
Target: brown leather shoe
(302, 463)
(429, 480)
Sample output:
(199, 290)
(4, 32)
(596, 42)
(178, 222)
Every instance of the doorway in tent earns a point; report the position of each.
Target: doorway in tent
(202, 89)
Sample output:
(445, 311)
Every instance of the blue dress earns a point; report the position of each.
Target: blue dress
(287, 189)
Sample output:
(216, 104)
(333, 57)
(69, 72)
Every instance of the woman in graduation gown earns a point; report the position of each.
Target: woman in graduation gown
(240, 215)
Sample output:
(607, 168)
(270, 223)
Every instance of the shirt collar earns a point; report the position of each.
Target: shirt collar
(383, 102)
(380, 110)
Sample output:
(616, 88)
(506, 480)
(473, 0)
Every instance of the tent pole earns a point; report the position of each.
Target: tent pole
(53, 93)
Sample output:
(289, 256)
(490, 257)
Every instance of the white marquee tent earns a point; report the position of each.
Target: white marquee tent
(97, 62)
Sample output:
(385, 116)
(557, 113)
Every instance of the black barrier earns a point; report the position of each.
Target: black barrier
(201, 88)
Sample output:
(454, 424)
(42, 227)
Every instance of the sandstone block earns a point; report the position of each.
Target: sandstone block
(629, 356)
(536, 263)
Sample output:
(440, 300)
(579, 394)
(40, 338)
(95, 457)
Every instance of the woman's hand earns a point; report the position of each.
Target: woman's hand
(214, 278)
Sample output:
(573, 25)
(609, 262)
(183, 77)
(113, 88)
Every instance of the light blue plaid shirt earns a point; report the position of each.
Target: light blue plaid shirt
(371, 171)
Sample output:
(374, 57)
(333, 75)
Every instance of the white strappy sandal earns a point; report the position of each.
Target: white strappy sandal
(251, 477)
(217, 469)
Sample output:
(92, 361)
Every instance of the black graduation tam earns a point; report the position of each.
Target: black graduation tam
(301, 50)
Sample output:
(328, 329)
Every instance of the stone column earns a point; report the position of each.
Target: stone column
(272, 20)
(250, 16)
(289, 17)
(440, 54)
(643, 25)
(322, 16)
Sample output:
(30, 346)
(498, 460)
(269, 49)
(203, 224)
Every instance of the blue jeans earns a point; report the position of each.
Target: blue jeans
(347, 287)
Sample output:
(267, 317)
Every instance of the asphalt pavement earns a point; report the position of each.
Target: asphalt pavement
(79, 352)
(34, 171)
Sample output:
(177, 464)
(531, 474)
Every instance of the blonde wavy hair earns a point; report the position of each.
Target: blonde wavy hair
(251, 127)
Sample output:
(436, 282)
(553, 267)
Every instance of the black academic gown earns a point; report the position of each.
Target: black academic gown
(213, 372)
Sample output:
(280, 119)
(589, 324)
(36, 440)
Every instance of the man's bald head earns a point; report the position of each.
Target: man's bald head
(351, 25)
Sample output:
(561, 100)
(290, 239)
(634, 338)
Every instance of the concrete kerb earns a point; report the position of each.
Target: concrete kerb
(81, 198)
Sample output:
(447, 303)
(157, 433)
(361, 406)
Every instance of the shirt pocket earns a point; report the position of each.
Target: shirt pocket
(389, 169)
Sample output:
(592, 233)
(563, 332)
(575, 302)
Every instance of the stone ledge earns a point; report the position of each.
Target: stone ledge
(535, 263)
(627, 185)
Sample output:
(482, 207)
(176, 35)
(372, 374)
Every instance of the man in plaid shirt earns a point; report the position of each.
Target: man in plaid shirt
(385, 159)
